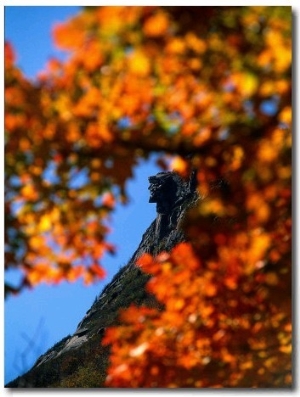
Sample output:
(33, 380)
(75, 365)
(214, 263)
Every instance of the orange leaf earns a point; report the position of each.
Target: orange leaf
(145, 261)
(156, 25)
(69, 35)
(74, 273)
(29, 193)
(108, 200)
(97, 270)
(9, 55)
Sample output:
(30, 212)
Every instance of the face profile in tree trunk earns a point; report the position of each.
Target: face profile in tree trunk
(163, 191)
(168, 190)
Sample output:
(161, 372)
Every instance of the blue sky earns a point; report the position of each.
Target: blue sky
(38, 318)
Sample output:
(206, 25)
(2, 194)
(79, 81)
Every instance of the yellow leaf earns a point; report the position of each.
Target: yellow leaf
(36, 242)
(139, 64)
(249, 84)
(246, 83)
(213, 206)
(286, 349)
(179, 165)
(285, 115)
(45, 223)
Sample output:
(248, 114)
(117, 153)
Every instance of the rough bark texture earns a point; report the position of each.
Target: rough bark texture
(64, 364)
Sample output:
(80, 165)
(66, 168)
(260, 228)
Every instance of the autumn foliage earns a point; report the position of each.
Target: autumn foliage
(210, 83)
(212, 333)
